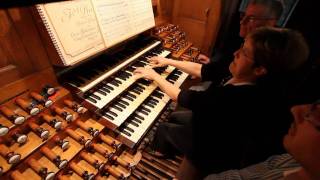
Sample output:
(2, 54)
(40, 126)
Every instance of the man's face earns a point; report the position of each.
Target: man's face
(303, 138)
(255, 16)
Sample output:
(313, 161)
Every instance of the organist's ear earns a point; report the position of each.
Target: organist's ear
(260, 71)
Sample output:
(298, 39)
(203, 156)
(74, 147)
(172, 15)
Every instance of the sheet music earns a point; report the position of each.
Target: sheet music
(122, 19)
(142, 17)
(113, 19)
(75, 27)
(82, 28)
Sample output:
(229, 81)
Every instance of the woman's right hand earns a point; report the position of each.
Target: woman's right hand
(203, 59)
(157, 61)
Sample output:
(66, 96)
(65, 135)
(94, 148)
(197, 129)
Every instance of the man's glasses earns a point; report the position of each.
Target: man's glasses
(313, 115)
(251, 18)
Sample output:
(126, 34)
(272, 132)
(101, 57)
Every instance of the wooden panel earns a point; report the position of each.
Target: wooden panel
(201, 21)
(166, 7)
(12, 52)
(21, 50)
(194, 29)
(23, 60)
(193, 9)
(27, 31)
(32, 82)
(213, 26)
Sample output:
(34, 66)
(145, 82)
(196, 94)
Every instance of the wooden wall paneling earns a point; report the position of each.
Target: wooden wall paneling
(164, 12)
(213, 26)
(200, 20)
(13, 55)
(166, 7)
(23, 21)
(24, 63)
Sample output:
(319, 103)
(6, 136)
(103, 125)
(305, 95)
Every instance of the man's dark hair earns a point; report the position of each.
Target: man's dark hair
(280, 51)
(275, 7)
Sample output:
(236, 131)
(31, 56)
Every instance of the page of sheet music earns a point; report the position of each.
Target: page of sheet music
(121, 19)
(141, 15)
(75, 27)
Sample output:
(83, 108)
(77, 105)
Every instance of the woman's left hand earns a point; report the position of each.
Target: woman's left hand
(147, 73)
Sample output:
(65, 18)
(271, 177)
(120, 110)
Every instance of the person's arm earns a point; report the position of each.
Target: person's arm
(191, 68)
(148, 73)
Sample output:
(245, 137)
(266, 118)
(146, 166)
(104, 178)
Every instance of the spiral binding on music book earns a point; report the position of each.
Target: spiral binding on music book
(50, 32)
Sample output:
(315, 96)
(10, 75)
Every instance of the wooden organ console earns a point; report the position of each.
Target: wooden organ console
(95, 119)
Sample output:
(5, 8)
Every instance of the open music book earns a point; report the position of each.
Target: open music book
(82, 28)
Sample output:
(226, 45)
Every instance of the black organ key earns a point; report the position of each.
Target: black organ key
(78, 80)
(126, 126)
(127, 74)
(95, 96)
(128, 97)
(137, 120)
(143, 112)
(131, 95)
(140, 87)
(178, 72)
(129, 129)
(108, 87)
(105, 89)
(149, 104)
(138, 116)
(122, 77)
(145, 109)
(159, 91)
(108, 116)
(154, 99)
(112, 113)
(117, 108)
(133, 123)
(117, 81)
(125, 132)
(121, 105)
(91, 99)
(113, 82)
(158, 95)
(153, 102)
(144, 82)
(131, 69)
(124, 102)
(159, 70)
(174, 77)
(86, 76)
(136, 91)
(101, 92)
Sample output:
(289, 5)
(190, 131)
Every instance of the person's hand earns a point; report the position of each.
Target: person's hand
(203, 59)
(147, 73)
(157, 61)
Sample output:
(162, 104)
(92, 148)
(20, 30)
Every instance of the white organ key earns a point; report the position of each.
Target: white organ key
(139, 132)
(133, 105)
(91, 84)
(100, 103)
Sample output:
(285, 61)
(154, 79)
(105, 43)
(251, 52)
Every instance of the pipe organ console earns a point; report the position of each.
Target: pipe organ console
(95, 121)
